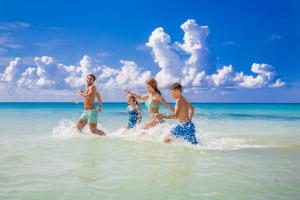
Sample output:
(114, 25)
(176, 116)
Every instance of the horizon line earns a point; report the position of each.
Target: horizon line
(168, 102)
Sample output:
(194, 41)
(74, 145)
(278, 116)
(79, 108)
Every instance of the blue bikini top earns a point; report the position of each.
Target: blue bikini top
(133, 111)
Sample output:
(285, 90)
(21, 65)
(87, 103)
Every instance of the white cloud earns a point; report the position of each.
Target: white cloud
(199, 78)
(76, 75)
(11, 26)
(195, 43)
(172, 68)
(27, 80)
(265, 76)
(130, 76)
(46, 68)
(222, 76)
(10, 71)
(46, 72)
(278, 83)
(227, 77)
(7, 41)
(107, 72)
(168, 61)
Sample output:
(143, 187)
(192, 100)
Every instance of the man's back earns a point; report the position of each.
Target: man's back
(183, 108)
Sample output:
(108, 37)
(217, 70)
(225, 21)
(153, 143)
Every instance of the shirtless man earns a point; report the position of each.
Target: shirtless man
(90, 114)
(184, 112)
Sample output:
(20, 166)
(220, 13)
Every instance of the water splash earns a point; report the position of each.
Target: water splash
(210, 141)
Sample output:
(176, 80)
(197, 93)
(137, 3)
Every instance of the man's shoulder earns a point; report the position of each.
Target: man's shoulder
(93, 87)
(182, 101)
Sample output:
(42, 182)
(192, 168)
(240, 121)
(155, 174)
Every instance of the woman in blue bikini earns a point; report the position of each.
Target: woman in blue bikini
(152, 101)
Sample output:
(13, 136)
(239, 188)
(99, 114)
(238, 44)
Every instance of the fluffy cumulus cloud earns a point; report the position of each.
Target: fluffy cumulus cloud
(11, 70)
(265, 77)
(188, 71)
(47, 73)
(168, 61)
(128, 76)
(195, 43)
(27, 79)
(223, 76)
(184, 61)
(76, 75)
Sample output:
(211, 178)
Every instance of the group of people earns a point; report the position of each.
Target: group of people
(183, 110)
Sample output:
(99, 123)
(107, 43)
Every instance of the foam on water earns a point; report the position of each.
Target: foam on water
(211, 141)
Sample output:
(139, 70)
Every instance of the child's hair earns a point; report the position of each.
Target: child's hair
(176, 86)
(135, 101)
(153, 83)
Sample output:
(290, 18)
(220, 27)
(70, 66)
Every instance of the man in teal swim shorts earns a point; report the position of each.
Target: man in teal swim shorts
(90, 114)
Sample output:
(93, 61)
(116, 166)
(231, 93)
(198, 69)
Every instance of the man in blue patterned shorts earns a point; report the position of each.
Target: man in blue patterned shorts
(184, 112)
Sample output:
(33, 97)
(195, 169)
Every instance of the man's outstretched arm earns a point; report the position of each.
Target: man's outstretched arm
(88, 93)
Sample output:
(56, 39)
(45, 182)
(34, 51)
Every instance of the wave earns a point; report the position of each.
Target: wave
(248, 116)
(210, 141)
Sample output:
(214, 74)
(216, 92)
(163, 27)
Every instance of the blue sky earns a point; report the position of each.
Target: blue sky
(240, 34)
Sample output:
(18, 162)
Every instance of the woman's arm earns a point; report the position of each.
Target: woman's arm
(166, 104)
(172, 115)
(140, 113)
(139, 97)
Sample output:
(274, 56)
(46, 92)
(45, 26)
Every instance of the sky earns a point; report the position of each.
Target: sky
(220, 51)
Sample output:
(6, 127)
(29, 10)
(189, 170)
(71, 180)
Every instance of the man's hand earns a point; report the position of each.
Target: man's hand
(99, 109)
(82, 93)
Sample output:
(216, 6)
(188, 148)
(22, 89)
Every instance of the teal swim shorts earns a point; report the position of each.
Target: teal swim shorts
(90, 116)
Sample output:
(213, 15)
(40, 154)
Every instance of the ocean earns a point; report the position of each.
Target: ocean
(246, 151)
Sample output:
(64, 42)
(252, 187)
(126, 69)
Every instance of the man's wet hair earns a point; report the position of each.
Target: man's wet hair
(93, 76)
(176, 86)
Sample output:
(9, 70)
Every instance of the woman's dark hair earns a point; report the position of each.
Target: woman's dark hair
(153, 83)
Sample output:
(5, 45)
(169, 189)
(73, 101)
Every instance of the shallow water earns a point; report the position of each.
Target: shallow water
(247, 151)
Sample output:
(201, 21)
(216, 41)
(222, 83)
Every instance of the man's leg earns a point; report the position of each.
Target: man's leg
(168, 138)
(81, 124)
(94, 130)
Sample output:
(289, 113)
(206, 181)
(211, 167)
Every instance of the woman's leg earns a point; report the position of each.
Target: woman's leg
(150, 124)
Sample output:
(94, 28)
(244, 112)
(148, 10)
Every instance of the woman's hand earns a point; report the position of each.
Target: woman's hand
(157, 116)
(127, 91)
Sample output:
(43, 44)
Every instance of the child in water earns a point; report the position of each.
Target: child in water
(134, 111)
(184, 112)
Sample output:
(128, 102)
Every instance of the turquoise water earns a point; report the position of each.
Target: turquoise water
(247, 151)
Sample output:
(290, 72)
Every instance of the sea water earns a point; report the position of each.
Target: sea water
(246, 151)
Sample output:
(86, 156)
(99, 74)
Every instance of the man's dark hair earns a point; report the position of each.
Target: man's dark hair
(93, 76)
(176, 86)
